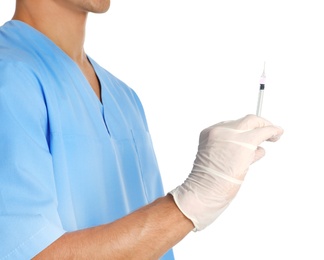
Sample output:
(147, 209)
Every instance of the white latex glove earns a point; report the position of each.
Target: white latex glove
(225, 152)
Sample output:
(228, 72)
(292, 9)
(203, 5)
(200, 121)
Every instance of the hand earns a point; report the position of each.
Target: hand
(225, 152)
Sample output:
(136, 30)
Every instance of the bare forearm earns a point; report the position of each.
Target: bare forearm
(145, 234)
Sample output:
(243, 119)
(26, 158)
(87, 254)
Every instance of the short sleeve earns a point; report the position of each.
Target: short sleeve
(29, 220)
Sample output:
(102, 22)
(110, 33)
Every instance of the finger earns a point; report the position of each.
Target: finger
(267, 133)
(259, 153)
(276, 137)
(252, 121)
(245, 123)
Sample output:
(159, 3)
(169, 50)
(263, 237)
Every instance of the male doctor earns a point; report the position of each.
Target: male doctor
(78, 174)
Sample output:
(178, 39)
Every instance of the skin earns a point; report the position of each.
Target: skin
(64, 22)
(144, 234)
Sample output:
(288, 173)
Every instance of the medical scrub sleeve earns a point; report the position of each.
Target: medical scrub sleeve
(28, 217)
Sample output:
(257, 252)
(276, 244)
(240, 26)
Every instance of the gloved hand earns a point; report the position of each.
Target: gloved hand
(225, 152)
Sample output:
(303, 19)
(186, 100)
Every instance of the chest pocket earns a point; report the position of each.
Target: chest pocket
(148, 163)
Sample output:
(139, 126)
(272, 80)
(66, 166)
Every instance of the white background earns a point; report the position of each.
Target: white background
(195, 63)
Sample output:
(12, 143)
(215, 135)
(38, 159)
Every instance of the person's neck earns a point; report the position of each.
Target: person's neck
(65, 27)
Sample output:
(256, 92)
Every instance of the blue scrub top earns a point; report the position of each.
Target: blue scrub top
(67, 161)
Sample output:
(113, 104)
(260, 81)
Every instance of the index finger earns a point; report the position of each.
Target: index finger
(252, 121)
(245, 123)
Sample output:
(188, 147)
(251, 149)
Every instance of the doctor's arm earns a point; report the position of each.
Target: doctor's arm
(225, 152)
(147, 233)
